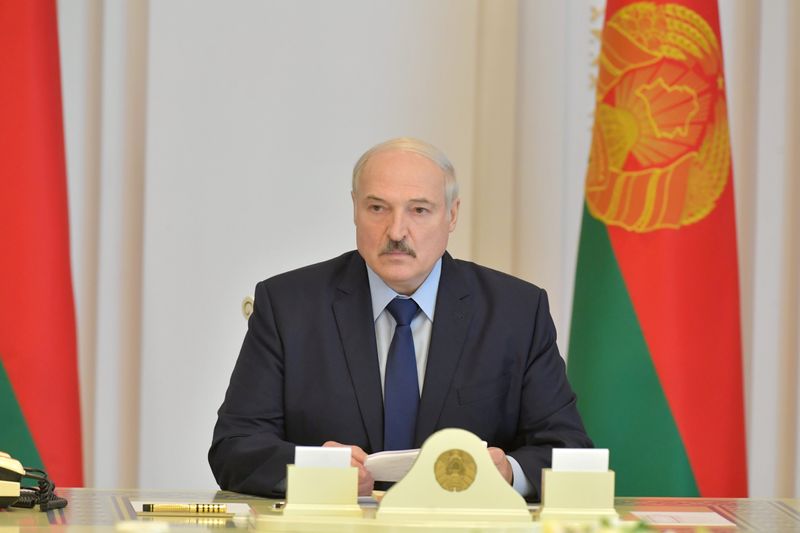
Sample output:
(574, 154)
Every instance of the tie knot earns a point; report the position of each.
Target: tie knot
(403, 310)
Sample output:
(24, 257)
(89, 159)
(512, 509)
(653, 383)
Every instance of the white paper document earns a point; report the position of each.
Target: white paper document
(685, 518)
(390, 465)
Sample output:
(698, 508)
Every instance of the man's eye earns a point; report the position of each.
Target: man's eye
(420, 210)
(375, 208)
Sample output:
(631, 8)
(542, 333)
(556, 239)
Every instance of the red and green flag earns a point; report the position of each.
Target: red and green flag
(655, 344)
(39, 405)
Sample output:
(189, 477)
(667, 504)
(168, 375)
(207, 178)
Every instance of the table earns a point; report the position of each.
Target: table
(99, 510)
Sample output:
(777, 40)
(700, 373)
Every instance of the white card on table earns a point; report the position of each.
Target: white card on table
(319, 456)
(580, 460)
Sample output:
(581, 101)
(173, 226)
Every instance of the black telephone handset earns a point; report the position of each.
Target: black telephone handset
(14, 494)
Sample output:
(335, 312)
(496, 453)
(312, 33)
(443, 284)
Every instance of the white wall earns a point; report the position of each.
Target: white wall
(256, 113)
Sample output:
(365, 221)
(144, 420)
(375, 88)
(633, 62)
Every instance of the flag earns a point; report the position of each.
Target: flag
(39, 404)
(655, 344)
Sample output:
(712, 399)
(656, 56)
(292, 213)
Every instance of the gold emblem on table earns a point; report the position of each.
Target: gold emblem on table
(455, 470)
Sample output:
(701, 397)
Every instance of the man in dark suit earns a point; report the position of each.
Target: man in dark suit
(320, 362)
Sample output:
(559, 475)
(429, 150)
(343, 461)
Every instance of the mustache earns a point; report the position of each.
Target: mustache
(398, 246)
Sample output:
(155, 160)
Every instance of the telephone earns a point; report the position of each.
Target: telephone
(11, 473)
(13, 493)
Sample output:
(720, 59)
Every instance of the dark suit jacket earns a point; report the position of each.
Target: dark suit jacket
(308, 372)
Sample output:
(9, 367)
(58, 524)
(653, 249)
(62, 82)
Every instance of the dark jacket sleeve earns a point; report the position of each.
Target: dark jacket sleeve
(548, 414)
(249, 452)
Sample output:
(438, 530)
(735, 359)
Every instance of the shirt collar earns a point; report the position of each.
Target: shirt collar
(425, 295)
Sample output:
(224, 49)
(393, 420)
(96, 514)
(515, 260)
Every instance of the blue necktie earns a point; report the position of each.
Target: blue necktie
(400, 386)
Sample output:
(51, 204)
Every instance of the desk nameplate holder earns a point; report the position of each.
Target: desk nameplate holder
(321, 491)
(452, 486)
(578, 496)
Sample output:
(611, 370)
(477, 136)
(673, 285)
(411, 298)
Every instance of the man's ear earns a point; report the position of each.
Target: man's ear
(353, 197)
(454, 213)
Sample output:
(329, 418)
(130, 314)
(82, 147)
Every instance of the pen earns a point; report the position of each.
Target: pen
(184, 508)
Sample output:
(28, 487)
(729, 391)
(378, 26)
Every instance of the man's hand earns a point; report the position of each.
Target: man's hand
(501, 462)
(357, 458)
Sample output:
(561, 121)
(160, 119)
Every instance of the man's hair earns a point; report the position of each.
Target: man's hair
(417, 146)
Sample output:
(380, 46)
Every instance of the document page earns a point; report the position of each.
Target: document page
(390, 465)
(683, 518)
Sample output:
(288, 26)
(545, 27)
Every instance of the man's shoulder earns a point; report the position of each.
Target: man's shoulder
(324, 273)
(484, 276)
(497, 295)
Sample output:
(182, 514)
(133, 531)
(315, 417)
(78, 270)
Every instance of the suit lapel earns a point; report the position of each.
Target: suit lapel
(450, 326)
(353, 312)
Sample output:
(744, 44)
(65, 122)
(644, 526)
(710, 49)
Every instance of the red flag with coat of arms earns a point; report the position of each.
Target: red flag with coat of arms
(655, 345)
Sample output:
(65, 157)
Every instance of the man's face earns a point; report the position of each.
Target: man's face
(402, 222)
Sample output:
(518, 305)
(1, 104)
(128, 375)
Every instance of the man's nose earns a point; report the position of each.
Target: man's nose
(398, 227)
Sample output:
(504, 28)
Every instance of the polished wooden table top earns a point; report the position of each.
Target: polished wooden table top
(103, 510)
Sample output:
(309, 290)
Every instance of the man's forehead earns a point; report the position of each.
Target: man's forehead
(413, 200)
(399, 166)
(401, 189)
